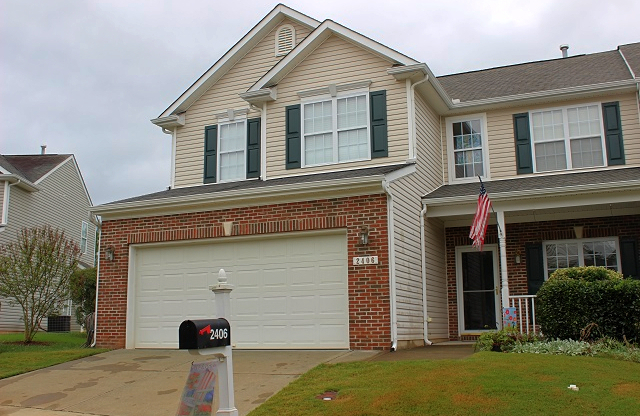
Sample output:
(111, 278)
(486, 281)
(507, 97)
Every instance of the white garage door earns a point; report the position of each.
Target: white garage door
(290, 292)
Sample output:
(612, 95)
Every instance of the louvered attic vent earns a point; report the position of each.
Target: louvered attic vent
(285, 40)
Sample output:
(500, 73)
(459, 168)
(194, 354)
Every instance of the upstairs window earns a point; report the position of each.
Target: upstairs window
(466, 138)
(83, 237)
(231, 154)
(568, 138)
(336, 130)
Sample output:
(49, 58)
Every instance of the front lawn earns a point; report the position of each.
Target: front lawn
(486, 383)
(48, 349)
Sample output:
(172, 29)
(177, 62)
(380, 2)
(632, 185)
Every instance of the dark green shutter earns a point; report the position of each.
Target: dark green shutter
(613, 133)
(253, 148)
(535, 267)
(293, 137)
(629, 257)
(522, 134)
(379, 143)
(210, 153)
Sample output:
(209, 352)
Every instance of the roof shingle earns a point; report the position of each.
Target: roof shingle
(32, 167)
(538, 76)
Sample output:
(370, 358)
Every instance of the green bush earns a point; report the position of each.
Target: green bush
(503, 340)
(82, 287)
(588, 303)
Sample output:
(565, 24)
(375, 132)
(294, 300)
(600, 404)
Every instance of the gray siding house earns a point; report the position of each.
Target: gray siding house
(45, 189)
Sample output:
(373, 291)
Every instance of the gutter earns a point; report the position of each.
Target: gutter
(423, 260)
(95, 312)
(16, 180)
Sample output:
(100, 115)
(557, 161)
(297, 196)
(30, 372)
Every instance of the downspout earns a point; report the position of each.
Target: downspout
(95, 312)
(172, 178)
(413, 143)
(392, 265)
(423, 259)
(7, 198)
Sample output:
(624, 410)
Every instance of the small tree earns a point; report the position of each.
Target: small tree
(35, 272)
(83, 292)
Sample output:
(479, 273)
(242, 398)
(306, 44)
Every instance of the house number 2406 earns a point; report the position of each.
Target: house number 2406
(357, 261)
(219, 333)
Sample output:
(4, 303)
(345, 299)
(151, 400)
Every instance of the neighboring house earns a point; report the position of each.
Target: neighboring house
(45, 189)
(306, 163)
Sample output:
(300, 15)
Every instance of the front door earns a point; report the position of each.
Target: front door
(478, 289)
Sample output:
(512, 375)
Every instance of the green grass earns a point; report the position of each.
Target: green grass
(61, 347)
(486, 383)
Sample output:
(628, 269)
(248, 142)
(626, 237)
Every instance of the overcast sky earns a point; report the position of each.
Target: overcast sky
(85, 77)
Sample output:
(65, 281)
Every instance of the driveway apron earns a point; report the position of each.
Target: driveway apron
(150, 382)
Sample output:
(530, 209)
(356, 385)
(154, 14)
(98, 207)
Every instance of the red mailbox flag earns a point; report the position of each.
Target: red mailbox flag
(480, 221)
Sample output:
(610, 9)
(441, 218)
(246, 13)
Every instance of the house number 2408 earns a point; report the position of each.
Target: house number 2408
(357, 261)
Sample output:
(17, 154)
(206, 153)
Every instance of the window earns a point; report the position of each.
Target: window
(567, 138)
(582, 252)
(468, 150)
(231, 155)
(336, 130)
(83, 237)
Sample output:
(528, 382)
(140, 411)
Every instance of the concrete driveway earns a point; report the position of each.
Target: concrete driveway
(150, 382)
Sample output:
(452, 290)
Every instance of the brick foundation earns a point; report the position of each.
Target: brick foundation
(523, 233)
(368, 286)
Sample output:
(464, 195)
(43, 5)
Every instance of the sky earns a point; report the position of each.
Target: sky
(87, 76)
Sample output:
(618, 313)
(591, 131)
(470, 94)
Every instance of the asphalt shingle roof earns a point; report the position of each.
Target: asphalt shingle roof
(534, 183)
(631, 53)
(252, 184)
(31, 167)
(531, 77)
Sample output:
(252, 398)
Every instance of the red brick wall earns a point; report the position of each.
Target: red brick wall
(369, 309)
(523, 233)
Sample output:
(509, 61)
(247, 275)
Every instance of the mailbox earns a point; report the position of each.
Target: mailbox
(204, 333)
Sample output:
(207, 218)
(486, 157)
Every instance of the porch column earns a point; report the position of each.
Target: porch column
(502, 239)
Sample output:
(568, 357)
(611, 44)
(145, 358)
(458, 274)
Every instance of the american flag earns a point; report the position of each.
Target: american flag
(480, 221)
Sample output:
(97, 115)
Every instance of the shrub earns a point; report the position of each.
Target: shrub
(503, 340)
(592, 298)
(82, 287)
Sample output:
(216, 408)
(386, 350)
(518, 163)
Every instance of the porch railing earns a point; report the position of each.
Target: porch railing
(526, 312)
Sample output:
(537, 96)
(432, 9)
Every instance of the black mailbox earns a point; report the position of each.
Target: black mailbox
(204, 333)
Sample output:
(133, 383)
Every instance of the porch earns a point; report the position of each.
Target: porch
(530, 235)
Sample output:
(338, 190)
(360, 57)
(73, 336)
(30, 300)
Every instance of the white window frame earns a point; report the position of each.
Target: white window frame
(221, 123)
(334, 124)
(450, 147)
(84, 234)
(567, 139)
(579, 242)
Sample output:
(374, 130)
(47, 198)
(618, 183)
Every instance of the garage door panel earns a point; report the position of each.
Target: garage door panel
(288, 291)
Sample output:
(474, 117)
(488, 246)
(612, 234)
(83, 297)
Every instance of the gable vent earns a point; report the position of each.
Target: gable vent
(285, 40)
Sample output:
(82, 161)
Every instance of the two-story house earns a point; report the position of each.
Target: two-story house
(44, 189)
(305, 163)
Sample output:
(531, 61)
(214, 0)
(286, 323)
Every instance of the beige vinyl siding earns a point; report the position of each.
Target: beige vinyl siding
(407, 192)
(337, 61)
(62, 203)
(219, 98)
(437, 306)
(501, 136)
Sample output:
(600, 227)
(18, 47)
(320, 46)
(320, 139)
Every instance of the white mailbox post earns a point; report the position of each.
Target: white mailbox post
(213, 337)
(222, 291)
